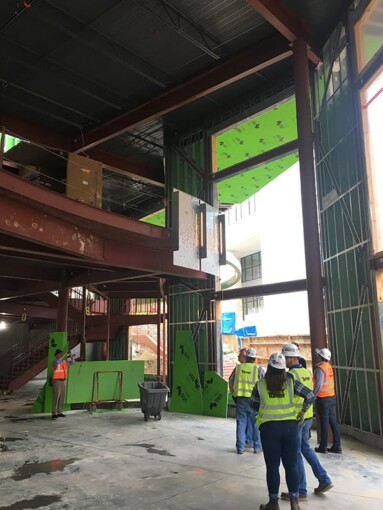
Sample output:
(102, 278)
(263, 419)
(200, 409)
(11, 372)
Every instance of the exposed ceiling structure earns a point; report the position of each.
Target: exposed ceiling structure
(105, 79)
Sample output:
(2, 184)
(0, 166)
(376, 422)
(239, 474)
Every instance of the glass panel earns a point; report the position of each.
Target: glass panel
(372, 107)
(369, 33)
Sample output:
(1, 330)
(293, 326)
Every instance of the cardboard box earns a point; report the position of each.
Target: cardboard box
(84, 180)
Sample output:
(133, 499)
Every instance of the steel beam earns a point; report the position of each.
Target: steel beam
(125, 166)
(25, 222)
(36, 134)
(262, 290)
(251, 163)
(101, 223)
(32, 289)
(31, 310)
(215, 78)
(309, 203)
(62, 309)
(283, 20)
(29, 272)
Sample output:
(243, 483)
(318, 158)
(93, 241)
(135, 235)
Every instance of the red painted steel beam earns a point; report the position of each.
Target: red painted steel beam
(126, 166)
(28, 272)
(25, 222)
(132, 285)
(98, 277)
(32, 289)
(36, 134)
(215, 78)
(101, 223)
(283, 20)
(41, 136)
(36, 311)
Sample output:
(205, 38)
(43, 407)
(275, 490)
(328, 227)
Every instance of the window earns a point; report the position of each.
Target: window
(372, 109)
(251, 305)
(369, 33)
(251, 267)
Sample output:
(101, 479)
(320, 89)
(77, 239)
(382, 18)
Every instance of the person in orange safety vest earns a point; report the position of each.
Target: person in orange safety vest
(60, 375)
(324, 390)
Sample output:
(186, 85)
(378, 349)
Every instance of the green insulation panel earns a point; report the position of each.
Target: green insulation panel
(262, 133)
(81, 378)
(10, 141)
(157, 218)
(215, 395)
(44, 400)
(186, 390)
(351, 298)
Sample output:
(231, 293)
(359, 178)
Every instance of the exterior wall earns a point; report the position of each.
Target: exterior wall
(346, 240)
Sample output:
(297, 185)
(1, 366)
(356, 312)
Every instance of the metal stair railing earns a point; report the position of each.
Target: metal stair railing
(23, 350)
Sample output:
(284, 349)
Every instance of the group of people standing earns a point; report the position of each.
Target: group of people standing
(275, 415)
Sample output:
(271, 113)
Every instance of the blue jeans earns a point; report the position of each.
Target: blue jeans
(327, 416)
(311, 458)
(280, 441)
(247, 429)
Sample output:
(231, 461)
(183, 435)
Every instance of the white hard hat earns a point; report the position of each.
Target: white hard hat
(251, 353)
(324, 353)
(277, 360)
(290, 351)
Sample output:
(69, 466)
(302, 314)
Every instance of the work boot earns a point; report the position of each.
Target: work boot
(271, 505)
(294, 504)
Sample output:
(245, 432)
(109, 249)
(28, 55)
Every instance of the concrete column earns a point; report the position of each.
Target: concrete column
(309, 203)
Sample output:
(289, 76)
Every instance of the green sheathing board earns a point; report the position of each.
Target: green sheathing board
(264, 132)
(345, 242)
(186, 302)
(80, 381)
(10, 141)
(215, 395)
(186, 390)
(44, 401)
(157, 218)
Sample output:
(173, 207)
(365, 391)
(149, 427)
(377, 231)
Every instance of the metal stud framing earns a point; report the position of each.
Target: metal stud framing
(351, 302)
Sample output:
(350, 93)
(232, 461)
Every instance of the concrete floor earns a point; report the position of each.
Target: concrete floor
(117, 460)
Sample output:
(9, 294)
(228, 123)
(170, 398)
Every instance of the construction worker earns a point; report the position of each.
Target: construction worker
(245, 377)
(273, 398)
(60, 375)
(242, 357)
(292, 355)
(324, 391)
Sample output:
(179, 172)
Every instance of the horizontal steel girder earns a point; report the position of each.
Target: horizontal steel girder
(80, 232)
(283, 20)
(27, 223)
(239, 66)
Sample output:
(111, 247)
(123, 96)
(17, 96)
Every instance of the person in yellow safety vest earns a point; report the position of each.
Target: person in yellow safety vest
(245, 376)
(278, 420)
(298, 373)
(60, 375)
(324, 391)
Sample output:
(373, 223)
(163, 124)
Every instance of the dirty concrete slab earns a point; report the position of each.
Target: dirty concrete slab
(117, 460)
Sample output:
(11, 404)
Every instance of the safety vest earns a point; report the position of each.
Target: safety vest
(245, 378)
(61, 371)
(328, 386)
(303, 376)
(276, 408)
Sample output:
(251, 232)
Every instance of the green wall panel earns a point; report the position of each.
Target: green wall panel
(346, 240)
(186, 388)
(80, 380)
(215, 395)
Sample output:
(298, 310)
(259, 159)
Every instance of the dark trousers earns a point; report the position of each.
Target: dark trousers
(326, 412)
(280, 442)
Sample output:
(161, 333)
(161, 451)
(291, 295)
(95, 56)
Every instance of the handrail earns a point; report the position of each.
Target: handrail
(22, 350)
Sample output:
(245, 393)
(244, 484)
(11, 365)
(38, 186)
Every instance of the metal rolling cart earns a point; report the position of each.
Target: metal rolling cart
(118, 403)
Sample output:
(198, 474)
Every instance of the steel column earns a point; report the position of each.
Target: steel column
(159, 339)
(83, 327)
(308, 191)
(62, 309)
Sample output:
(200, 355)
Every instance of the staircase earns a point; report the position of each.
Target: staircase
(22, 363)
